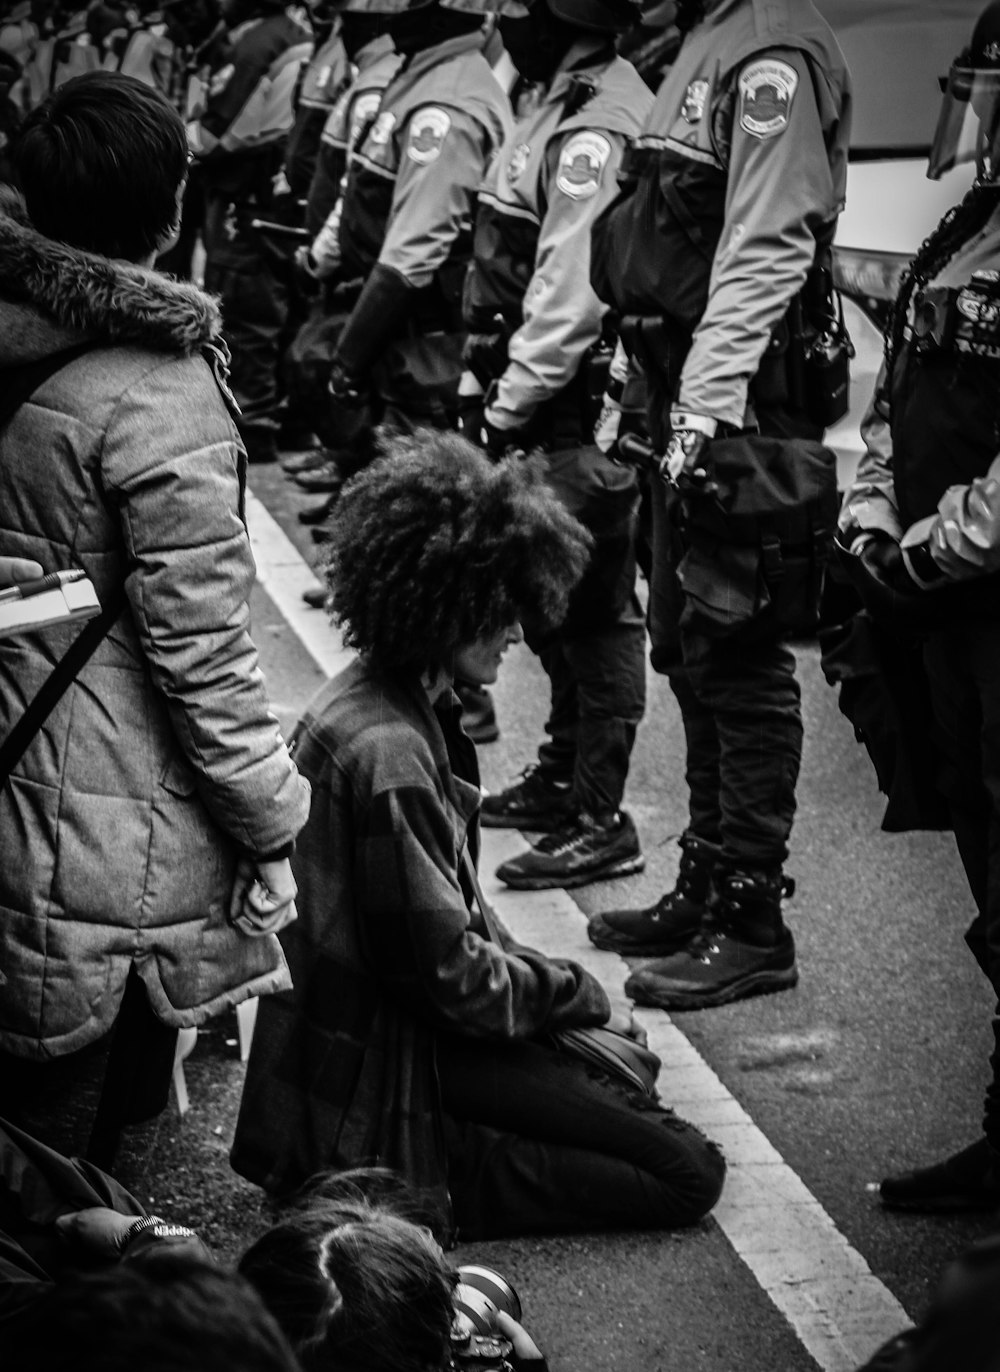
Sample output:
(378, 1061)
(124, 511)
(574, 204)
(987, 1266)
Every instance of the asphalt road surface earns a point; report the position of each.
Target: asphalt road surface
(875, 1061)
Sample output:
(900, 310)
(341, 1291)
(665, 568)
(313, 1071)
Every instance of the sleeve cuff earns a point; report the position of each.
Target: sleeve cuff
(917, 555)
(278, 854)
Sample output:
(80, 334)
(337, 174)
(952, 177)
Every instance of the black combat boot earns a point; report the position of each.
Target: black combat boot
(675, 918)
(743, 949)
(968, 1180)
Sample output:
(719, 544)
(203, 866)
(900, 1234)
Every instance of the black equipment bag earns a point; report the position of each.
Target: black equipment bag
(756, 540)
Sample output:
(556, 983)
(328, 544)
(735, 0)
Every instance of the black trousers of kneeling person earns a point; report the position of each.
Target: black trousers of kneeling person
(538, 1142)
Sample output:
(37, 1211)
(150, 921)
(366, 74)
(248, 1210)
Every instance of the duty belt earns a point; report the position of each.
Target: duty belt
(964, 319)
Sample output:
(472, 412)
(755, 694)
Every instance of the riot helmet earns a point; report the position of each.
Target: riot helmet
(968, 128)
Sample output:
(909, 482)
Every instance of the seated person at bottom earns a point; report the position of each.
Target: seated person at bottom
(412, 1039)
(349, 1280)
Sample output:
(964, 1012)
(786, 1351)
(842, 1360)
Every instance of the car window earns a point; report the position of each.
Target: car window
(896, 50)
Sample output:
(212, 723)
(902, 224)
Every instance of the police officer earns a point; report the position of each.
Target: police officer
(374, 62)
(238, 137)
(731, 201)
(406, 219)
(324, 79)
(406, 226)
(535, 324)
(923, 522)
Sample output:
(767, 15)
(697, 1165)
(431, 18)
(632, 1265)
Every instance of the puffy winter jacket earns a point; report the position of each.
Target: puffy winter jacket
(121, 825)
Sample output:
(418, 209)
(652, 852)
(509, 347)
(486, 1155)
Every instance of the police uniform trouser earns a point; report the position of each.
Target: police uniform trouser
(246, 273)
(595, 660)
(739, 702)
(963, 672)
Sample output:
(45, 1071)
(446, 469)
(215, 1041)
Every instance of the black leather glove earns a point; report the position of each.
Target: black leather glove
(351, 412)
(470, 417)
(882, 558)
(499, 442)
(380, 310)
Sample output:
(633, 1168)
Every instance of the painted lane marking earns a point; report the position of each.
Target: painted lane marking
(284, 575)
(839, 1309)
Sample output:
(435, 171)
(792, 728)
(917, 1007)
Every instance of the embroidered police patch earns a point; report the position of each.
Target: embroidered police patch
(694, 102)
(363, 111)
(583, 160)
(427, 134)
(383, 127)
(518, 162)
(766, 91)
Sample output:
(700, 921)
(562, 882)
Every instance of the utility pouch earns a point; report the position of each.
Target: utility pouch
(806, 365)
(827, 368)
(755, 548)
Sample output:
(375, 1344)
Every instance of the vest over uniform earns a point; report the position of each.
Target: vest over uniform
(448, 85)
(555, 160)
(325, 77)
(247, 109)
(658, 250)
(944, 394)
(355, 108)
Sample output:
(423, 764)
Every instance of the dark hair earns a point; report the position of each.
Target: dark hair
(99, 164)
(432, 546)
(163, 1314)
(355, 1287)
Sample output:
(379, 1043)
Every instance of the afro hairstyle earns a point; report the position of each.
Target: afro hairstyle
(433, 546)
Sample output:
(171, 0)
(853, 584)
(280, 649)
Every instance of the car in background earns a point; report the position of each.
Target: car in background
(896, 51)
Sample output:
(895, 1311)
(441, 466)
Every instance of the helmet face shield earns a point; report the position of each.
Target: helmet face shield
(968, 128)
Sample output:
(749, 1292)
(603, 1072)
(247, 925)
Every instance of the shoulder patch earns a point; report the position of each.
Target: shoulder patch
(581, 165)
(363, 111)
(428, 130)
(219, 80)
(767, 88)
(518, 162)
(382, 128)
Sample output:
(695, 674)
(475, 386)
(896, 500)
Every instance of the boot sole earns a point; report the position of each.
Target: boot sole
(756, 984)
(640, 950)
(942, 1205)
(624, 868)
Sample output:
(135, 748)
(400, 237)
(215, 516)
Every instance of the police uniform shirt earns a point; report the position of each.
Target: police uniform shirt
(759, 92)
(439, 123)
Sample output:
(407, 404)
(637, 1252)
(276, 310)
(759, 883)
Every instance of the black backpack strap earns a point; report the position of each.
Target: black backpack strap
(19, 384)
(55, 685)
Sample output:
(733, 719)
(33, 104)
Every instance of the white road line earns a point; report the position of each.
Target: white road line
(284, 575)
(838, 1308)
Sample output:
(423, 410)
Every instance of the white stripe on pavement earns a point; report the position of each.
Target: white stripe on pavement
(284, 575)
(838, 1308)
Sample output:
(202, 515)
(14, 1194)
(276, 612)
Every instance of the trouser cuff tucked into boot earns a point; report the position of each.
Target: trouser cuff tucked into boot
(675, 918)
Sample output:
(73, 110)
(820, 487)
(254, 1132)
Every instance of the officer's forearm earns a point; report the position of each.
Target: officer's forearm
(383, 305)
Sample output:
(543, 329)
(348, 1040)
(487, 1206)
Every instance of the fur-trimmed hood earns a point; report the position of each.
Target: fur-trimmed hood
(52, 295)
